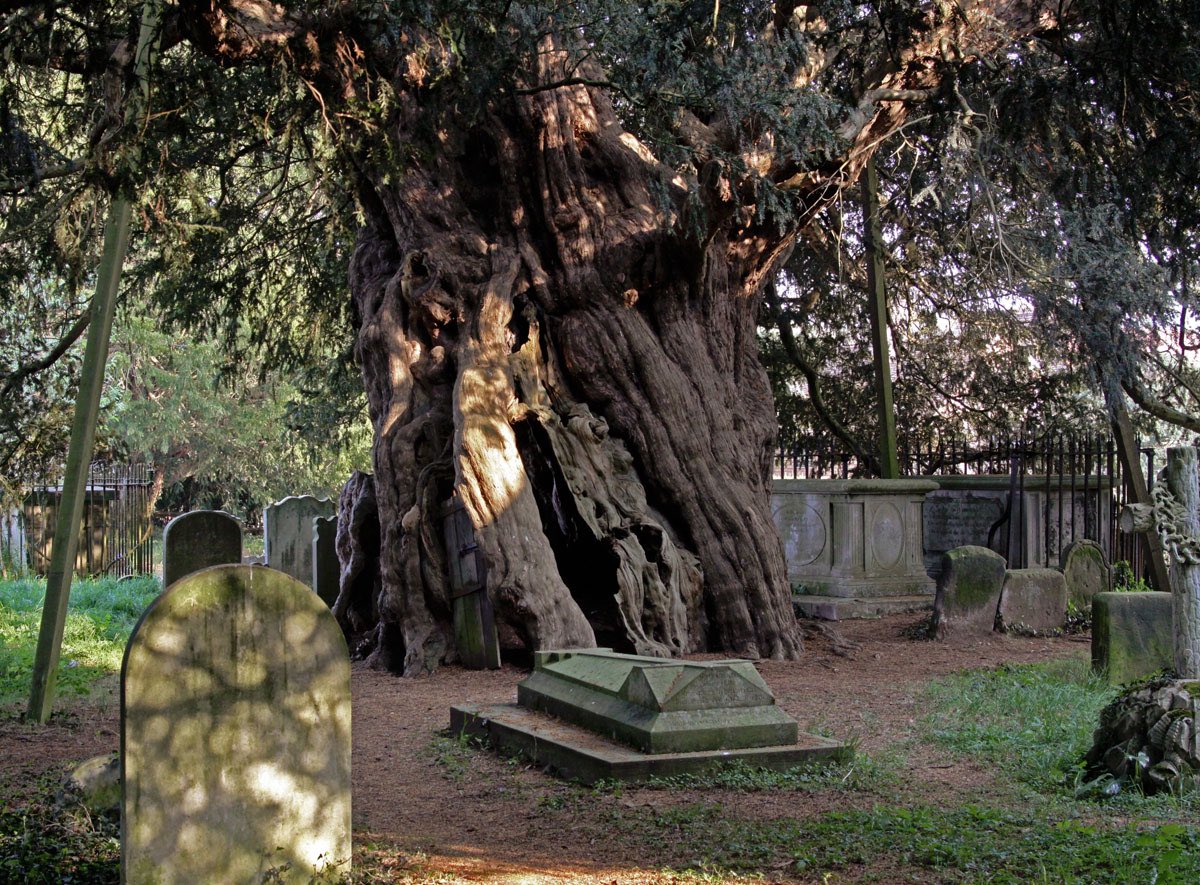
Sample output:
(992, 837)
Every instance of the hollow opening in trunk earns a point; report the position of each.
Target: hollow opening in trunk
(586, 564)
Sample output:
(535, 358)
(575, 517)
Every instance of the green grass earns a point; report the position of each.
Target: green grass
(860, 773)
(1033, 721)
(100, 616)
(966, 844)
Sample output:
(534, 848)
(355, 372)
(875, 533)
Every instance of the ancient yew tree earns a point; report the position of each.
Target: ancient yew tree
(567, 215)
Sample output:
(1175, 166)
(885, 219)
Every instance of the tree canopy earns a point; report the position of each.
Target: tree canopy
(567, 214)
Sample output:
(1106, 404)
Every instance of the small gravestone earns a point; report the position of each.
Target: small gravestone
(235, 734)
(969, 585)
(1132, 635)
(1087, 572)
(1033, 600)
(288, 534)
(327, 571)
(197, 540)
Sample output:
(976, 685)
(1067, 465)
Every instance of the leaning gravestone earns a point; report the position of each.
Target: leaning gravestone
(969, 584)
(1087, 572)
(327, 572)
(235, 734)
(288, 534)
(197, 540)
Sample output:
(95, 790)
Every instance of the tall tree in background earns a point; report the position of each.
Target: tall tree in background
(1042, 244)
(568, 214)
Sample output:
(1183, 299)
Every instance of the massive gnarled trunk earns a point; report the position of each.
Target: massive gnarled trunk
(548, 335)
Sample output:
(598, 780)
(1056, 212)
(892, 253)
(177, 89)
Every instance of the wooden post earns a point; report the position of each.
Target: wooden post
(1127, 451)
(87, 408)
(889, 462)
(1183, 481)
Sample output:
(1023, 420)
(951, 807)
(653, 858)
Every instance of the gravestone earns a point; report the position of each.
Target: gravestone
(288, 534)
(199, 539)
(1033, 600)
(235, 734)
(853, 546)
(1087, 572)
(1132, 635)
(969, 585)
(327, 572)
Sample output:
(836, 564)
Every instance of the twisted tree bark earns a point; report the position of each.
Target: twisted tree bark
(539, 336)
(1183, 481)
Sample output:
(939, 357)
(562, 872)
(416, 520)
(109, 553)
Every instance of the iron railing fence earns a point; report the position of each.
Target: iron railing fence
(1063, 467)
(116, 534)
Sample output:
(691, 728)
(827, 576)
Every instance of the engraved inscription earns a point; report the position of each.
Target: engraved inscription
(957, 519)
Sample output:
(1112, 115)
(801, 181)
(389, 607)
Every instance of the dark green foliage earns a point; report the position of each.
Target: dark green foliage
(43, 843)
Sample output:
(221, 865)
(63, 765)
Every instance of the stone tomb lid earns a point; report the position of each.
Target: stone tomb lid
(658, 705)
(660, 684)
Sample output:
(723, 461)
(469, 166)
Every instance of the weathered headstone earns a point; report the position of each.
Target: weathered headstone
(288, 534)
(1087, 572)
(197, 540)
(326, 570)
(1131, 635)
(969, 584)
(1034, 600)
(235, 734)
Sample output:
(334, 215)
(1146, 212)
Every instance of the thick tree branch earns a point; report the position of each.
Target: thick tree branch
(1156, 407)
(55, 354)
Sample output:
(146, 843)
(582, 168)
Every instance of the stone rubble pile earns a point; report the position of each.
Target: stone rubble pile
(1151, 735)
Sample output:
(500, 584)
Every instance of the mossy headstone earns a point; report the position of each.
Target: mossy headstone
(1132, 635)
(235, 734)
(197, 540)
(969, 584)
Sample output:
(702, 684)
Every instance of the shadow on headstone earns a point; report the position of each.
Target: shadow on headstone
(197, 540)
(235, 734)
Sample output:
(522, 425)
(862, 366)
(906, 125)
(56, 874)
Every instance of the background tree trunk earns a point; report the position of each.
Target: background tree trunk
(1183, 481)
(541, 334)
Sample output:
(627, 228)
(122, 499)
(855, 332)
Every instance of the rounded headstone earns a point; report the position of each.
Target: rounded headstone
(235, 733)
(198, 540)
(1086, 571)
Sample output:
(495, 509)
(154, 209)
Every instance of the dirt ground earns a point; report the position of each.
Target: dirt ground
(478, 817)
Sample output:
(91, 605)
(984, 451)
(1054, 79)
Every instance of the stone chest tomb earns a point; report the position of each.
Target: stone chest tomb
(592, 714)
